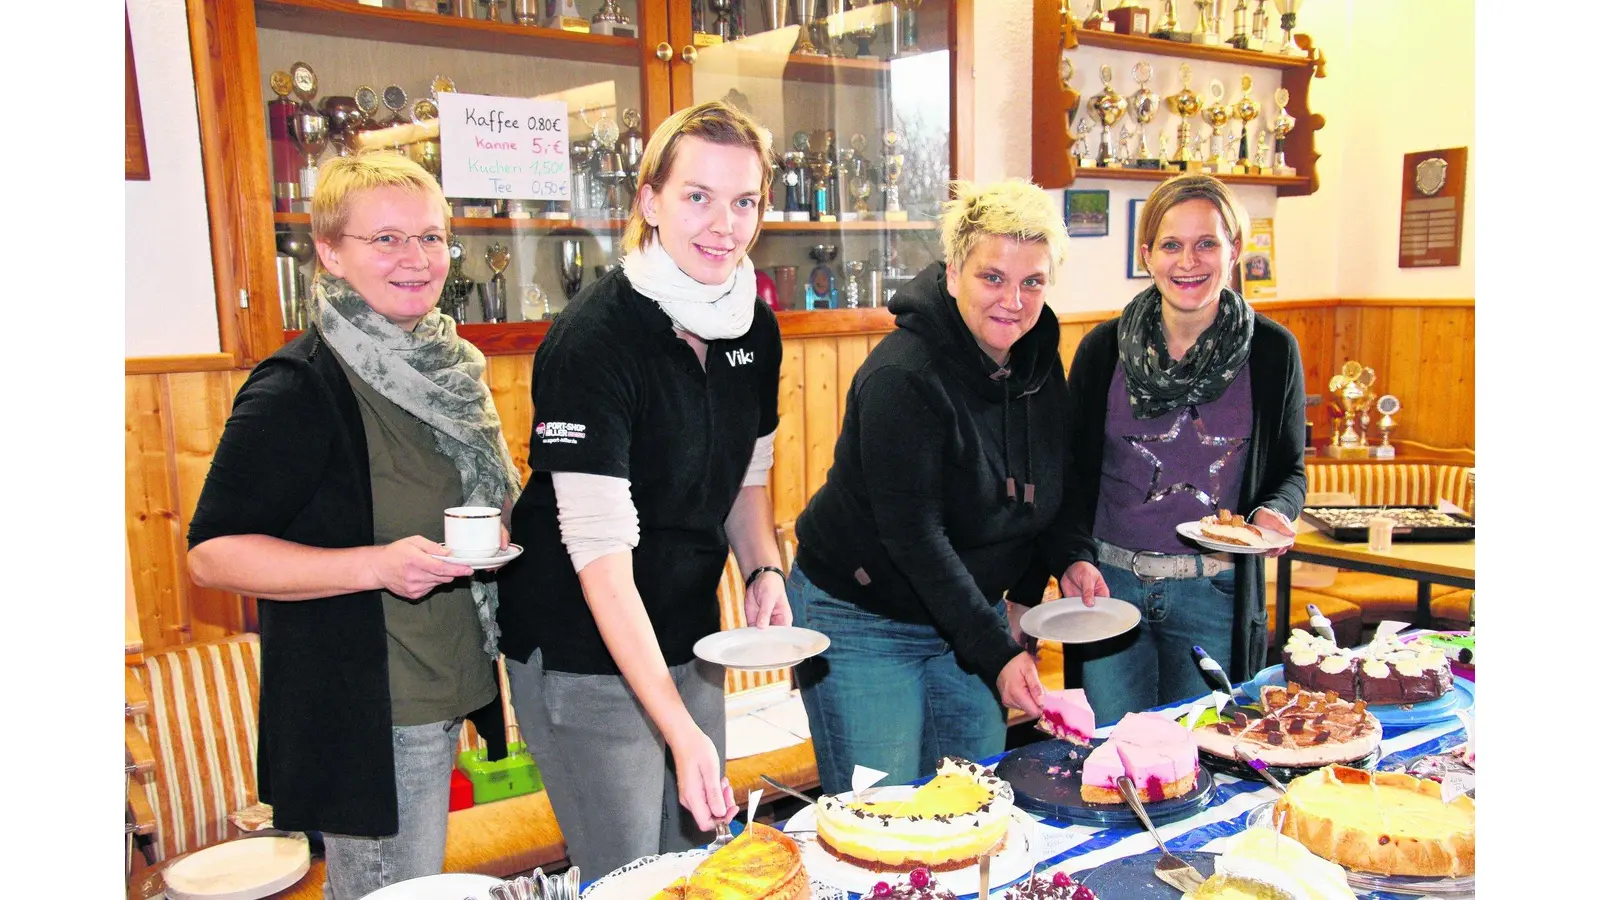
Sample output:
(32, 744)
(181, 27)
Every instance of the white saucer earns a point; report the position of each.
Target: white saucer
(1191, 530)
(447, 886)
(754, 649)
(243, 869)
(1070, 622)
(1013, 862)
(484, 562)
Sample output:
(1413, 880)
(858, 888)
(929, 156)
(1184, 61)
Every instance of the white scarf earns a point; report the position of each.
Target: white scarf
(710, 312)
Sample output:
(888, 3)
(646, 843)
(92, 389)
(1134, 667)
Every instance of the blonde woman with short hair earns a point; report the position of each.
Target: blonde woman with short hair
(1186, 404)
(656, 400)
(325, 500)
(946, 481)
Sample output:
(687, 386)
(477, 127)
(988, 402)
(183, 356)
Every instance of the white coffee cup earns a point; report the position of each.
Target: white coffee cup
(472, 532)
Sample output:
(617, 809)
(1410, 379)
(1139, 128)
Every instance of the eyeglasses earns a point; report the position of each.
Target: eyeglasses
(392, 242)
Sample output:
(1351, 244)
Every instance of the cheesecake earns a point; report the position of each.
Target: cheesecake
(958, 816)
(1389, 823)
(1159, 755)
(1066, 715)
(1298, 728)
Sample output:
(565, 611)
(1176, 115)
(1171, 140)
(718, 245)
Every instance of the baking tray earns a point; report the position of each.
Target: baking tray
(1349, 523)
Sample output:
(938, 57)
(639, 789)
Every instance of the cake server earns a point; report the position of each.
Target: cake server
(1218, 679)
(983, 877)
(1169, 868)
(1260, 768)
(1320, 623)
(788, 790)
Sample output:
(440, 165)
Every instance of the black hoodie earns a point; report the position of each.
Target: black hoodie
(947, 476)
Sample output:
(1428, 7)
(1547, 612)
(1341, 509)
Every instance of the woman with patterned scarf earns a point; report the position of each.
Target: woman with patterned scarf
(1186, 404)
(325, 499)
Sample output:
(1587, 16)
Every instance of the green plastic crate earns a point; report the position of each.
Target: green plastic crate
(513, 776)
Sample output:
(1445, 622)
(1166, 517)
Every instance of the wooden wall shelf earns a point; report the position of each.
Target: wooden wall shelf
(460, 225)
(836, 70)
(1160, 175)
(346, 19)
(1219, 53)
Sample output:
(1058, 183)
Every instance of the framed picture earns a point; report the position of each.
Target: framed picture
(1136, 267)
(1088, 213)
(1257, 265)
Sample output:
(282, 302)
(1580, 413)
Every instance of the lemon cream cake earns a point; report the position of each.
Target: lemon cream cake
(1157, 753)
(1384, 822)
(946, 824)
(762, 863)
(1260, 864)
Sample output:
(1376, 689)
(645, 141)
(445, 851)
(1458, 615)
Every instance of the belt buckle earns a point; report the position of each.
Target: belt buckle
(1133, 566)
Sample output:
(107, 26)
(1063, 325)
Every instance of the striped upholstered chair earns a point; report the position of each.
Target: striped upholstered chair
(1382, 597)
(201, 729)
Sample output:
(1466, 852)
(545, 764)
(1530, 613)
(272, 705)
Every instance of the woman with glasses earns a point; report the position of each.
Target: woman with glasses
(656, 399)
(325, 499)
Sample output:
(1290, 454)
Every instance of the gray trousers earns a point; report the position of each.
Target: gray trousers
(608, 771)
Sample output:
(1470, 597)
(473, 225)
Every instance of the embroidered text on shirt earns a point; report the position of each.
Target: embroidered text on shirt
(740, 357)
(560, 432)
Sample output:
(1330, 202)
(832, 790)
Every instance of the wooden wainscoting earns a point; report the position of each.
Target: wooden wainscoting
(1422, 351)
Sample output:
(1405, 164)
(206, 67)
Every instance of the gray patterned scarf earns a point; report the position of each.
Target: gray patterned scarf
(434, 375)
(1156, 384)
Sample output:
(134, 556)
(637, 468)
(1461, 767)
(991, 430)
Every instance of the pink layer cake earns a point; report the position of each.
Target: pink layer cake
(1157, 753)
(1067, 716)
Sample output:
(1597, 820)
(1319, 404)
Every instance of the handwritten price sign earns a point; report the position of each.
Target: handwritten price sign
(507, 148)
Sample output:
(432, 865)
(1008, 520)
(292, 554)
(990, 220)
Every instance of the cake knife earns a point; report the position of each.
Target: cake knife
(1214, 676)
(1321, 624)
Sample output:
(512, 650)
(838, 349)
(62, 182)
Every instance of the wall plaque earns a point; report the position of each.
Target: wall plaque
(1432, 205)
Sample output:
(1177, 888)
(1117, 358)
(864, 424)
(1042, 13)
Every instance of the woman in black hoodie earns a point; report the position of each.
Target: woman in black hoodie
(946, 479)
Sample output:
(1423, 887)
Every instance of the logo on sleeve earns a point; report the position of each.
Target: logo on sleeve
(740, 357)
(560, 432)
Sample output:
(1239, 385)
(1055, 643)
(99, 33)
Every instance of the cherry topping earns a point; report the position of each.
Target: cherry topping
(920, 878)
(1062, 879)
(882, 889)
(1083, 893)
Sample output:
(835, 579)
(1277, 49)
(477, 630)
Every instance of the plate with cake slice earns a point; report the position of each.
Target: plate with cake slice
(1462, 697)
(944, 826)
(761, 862)
(1074, 779)
(1229, 532)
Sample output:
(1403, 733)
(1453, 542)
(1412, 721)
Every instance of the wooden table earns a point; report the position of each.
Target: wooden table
(1452, 563)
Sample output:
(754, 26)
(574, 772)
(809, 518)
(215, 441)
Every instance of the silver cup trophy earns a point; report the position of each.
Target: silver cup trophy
(570, 266)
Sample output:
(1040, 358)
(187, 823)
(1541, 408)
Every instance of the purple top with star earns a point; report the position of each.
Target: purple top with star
(1158, 473)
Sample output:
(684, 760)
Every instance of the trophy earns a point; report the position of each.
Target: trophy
(820, 290)
(367, 102)
(344, 118)
(631, 145)
(1107, 108)
(806, 14)
(569, 266)
(1143, 105)
(893, 164)
(609, 168)
(458, 288)
(309, 131)
(1287, 9)
(492, 293)
(1245, 110)
(463, 9)
(1350, 388)
(1262, 166)
(1167, 27)
(394, 100)
(1241, 26)
(1388, 405)
(723, 27)
(1216, 115)
(579, 154)
(610, 20)
(491, 10)
(903, 24)
(1097, 20)
(776, 13)
(1281, 126)
(1082, 147)
(865, 34)
(285, 161)
(295, 249)
(1259, 26)
(1185, 105)
(793, 209)
(852, 285)
(824, 200)
(1124, 144)
(426, 152)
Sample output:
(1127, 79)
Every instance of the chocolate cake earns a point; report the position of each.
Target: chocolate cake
(1385, 672)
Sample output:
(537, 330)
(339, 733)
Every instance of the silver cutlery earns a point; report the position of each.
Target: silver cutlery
(983, 877)
(724, 836)
(789, 790)
(1260, 767)
(1169, 868)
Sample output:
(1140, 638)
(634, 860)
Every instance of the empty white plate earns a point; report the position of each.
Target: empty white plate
(484, 562)
(773, 647)
(1068, 621)
(242, 869)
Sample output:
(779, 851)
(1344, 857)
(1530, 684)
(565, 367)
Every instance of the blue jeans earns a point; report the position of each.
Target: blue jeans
(1152, 665)
(887, 694)
(423, 758)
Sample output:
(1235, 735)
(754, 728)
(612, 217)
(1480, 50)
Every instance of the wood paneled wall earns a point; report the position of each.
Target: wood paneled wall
(1422, 351)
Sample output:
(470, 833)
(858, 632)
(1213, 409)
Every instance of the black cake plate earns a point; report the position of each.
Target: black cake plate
(1134, 877)
(1059, 794)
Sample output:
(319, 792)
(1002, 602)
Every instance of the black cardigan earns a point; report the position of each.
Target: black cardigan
(292, 463)
(1275, 468)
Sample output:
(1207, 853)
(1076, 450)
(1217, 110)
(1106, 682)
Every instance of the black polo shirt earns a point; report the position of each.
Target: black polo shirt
(616, 392)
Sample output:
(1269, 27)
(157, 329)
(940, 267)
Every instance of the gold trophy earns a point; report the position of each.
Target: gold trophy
(1205, 23)
(1217, 116)
(1281, 126)
(1081, 147)
(1245, 110)
(1350, 388)
(1287, 10)
(1241, 26)
(893, 163)
(1107, 108)
(1167, 27)
(1388, 405)
(1097, 20)
(1258, 28)
(1143, 105)
(1185, 104)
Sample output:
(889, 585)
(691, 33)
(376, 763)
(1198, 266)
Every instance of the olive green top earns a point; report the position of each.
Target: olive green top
(437, 668)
